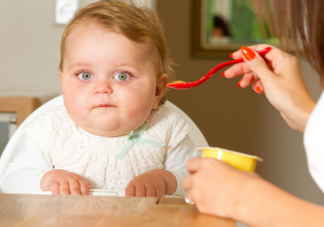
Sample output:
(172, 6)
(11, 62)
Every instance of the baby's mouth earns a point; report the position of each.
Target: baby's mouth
(105, 106)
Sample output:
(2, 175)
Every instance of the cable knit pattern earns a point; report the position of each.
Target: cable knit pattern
(94, 158)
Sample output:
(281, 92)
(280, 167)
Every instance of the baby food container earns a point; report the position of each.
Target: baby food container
(236, 159)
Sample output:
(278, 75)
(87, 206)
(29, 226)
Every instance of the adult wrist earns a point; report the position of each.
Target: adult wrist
(304, 113)
(242, 210)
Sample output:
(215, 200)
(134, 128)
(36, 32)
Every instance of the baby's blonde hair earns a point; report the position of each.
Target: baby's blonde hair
(139, 24)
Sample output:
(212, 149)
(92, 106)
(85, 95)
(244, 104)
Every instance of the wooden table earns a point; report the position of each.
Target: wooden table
(97, 211)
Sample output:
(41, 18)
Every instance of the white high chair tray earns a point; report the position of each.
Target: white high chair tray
(102, 192)
(94, 192)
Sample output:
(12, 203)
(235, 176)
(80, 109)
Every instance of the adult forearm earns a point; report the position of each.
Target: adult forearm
(297, 117)
(263, 204)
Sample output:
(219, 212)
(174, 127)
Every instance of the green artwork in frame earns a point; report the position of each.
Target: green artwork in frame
(223, 26)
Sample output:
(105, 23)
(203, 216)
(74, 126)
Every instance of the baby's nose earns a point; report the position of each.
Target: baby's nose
(103, 87)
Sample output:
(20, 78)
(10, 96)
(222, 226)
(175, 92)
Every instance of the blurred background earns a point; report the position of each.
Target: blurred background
(229, 117)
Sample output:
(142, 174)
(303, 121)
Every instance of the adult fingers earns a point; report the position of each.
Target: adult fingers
(130, 190)
(187, 183)
(238, 54)
(241, 68)
(193, 164)
(74, 187)
(247, 79)
(258, 87)
(84, 187)
(237, 70)
(150, 190)
(190, 196)
(64, 188)
(257, 64)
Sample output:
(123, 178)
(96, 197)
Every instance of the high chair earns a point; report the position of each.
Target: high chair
(12, 148)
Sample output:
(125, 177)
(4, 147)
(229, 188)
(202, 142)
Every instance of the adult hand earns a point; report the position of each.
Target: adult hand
(219, 189)
(61, 182)
(155, 183)
(281, 79)
(216, 187)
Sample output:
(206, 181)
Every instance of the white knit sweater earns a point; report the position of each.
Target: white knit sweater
(66, 147)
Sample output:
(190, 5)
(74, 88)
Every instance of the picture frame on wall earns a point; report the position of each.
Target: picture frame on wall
(221, 27)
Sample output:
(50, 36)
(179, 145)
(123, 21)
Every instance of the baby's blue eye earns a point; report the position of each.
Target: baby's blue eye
(122, 76)
(85, 76)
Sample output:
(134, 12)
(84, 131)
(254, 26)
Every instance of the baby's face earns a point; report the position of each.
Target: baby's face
(108, 82)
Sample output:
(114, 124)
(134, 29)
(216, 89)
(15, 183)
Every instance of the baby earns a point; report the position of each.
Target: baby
(113, 131)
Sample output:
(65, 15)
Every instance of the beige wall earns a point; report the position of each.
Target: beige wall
(30, 48)
(230, 117)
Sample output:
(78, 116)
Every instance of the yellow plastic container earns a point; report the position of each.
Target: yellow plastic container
(238, 160)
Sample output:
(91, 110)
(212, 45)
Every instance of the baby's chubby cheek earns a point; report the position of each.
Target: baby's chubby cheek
(75, 96)
(77, 106)
(137, 113)
(138, 106)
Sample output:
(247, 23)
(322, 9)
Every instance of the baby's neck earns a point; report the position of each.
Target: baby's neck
(96, 136)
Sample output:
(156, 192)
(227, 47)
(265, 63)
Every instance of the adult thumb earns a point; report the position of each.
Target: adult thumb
(256, 63)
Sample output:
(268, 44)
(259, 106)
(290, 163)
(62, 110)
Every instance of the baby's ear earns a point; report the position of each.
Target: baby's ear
(60, 74)
(161, 87)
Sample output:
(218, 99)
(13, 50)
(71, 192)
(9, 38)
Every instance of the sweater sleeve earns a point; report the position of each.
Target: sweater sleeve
(176, 160)
(24, 173)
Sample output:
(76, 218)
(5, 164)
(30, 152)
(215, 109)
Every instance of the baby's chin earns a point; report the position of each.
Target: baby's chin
(107, 129)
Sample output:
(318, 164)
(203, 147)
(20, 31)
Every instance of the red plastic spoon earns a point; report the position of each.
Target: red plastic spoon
(182, 85)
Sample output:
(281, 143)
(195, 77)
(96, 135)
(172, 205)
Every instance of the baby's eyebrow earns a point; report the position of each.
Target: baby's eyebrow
(127, 64)
(81, 64)
(124, 64)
